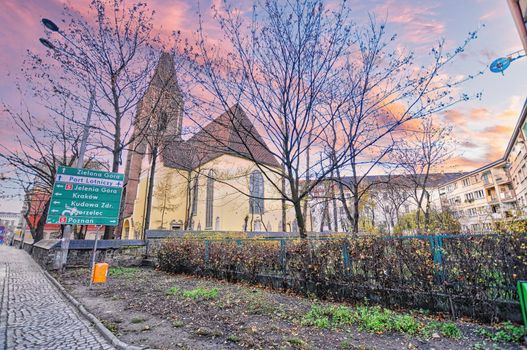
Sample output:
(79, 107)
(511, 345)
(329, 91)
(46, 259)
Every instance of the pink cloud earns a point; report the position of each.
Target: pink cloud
(416, 20)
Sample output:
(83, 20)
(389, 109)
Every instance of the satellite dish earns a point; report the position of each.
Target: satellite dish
(502, 63)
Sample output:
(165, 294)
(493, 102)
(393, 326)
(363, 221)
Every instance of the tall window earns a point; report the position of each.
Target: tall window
(209, 201)
(195, 189)
(163, 121)
(256, 190)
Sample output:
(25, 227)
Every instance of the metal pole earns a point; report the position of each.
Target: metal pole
(93, 255)
(66, 236)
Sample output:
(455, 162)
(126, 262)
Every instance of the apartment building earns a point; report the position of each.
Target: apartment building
(480, 198)
(495, 192)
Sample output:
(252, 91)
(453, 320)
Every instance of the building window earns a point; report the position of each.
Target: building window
(163, 121)
(256, 190)
(209, 201)
(466, 182)
(195, 190)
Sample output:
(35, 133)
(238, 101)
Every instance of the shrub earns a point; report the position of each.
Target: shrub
(450, 329)
(478, 271)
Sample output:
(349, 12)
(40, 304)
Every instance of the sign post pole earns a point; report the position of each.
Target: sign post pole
(66, 235)
(93, 254)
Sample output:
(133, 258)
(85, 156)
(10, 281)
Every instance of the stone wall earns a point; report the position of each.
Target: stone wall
(44, 252)
(125, 256)
(115, 253)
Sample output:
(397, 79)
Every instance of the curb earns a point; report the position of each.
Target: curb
(94, 320)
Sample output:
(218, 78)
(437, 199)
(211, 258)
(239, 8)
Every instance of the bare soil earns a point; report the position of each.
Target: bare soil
(137, 308)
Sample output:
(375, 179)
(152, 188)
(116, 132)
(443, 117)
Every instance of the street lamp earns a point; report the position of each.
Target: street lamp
(66, 237)
(50, 25)
(47, 43)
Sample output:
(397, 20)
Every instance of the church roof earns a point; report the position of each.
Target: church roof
(230, 133)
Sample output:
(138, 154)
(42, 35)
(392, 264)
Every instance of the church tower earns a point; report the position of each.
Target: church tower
(158, 120)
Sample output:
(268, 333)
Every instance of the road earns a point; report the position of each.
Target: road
(33, 312)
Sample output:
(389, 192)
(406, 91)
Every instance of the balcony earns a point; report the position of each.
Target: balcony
(496, 216)
(507, 196)
(502, 179)
(488, 183)
(492, 199)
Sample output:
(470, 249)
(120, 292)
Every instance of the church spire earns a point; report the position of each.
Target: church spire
(165, 73)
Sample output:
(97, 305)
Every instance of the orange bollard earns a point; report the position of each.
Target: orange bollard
(100, 272)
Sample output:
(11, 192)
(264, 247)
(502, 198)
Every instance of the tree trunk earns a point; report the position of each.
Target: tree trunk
(284, 215)
(343, 199)
(427, 213)
(356, 212)
(149, 192)
(188, 201)
(116, 152)
(334, 202)
(300, 220)
(38, 233)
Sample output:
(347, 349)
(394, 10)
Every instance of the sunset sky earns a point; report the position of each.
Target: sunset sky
(482, 127)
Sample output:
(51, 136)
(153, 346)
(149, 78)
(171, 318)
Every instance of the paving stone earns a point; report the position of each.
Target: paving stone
(34, 314)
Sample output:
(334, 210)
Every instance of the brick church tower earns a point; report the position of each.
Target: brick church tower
(158, 119)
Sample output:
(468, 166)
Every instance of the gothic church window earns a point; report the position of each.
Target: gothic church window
(195, 190)
(256, 190)
(209, 201)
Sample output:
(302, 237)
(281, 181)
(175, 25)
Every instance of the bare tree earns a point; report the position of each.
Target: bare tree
(102, 60)
(382, 89)
(276, 69)
(426, 149)
(38, 147)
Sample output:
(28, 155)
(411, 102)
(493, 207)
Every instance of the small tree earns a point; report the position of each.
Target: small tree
(163, 197)
(426, 149)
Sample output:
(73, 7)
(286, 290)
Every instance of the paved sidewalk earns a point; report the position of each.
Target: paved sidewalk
(34, 314)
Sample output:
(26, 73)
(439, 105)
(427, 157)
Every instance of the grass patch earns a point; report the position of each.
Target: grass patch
(125, 272)
(177, 323)
(137, 320)
(233, 338)
(346, 345)
(298, 343)
(111, 326)
(505, 332)
(259, 304)
(327, 317)
(201, 293)
(450, 329)
(173, 291)
(375, 319)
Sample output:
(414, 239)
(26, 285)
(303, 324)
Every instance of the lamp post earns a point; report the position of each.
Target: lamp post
(66, 237)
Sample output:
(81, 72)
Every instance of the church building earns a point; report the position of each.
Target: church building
(222, 178)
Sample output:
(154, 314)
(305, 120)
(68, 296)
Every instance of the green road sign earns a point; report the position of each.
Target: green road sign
(85, 197)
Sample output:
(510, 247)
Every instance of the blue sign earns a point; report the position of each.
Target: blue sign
(2, 233)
